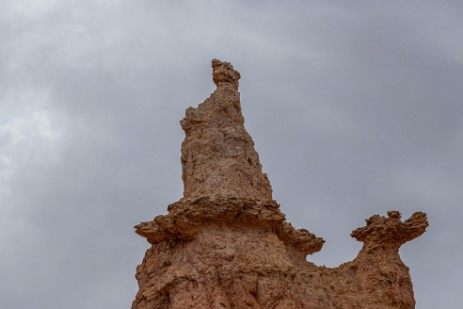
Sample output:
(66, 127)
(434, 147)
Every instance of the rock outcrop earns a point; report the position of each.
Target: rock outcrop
(226, 244)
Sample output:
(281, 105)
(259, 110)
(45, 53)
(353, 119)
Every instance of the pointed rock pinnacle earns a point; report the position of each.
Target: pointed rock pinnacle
(222, 176)
(218, 155)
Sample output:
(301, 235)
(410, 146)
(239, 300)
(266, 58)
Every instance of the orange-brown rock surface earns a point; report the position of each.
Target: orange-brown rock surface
(225, 243)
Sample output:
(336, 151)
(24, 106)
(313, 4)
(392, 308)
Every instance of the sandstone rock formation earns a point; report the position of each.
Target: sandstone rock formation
(226, 244)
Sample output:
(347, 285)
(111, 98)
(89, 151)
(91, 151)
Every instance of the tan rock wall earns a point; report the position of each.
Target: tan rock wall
(226, 244)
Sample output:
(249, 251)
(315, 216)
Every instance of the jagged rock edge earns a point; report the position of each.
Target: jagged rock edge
(186, 219)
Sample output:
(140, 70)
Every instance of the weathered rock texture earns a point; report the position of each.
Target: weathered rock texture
(226, 244)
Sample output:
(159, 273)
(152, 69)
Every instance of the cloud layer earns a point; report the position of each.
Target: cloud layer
(355, 109)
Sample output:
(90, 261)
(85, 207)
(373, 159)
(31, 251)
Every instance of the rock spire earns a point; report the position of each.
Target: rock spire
(218, 155)
(226, 244)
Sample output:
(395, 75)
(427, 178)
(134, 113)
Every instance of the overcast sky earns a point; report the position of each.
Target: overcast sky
(355, 108)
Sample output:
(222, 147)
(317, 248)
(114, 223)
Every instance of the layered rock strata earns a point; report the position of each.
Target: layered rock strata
(226, 244)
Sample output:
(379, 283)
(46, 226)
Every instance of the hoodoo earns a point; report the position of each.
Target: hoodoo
(226, 244)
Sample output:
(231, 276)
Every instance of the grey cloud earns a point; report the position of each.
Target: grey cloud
(354, 108)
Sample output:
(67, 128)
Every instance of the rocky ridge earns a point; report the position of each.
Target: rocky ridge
(226, 244)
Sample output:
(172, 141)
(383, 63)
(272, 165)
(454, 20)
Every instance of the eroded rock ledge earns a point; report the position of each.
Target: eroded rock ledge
(186, 219)
(226, 244)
